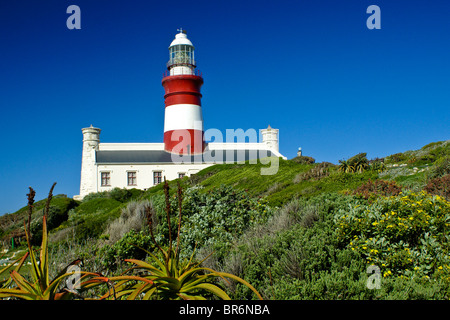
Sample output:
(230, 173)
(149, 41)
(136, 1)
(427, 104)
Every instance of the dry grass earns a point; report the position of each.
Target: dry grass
(131, 218)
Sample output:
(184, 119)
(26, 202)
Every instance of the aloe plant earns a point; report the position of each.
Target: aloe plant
(41, 287)
(166, 277)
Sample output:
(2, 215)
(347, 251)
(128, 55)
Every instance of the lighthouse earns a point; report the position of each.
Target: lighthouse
(105, 166)
(183, 120)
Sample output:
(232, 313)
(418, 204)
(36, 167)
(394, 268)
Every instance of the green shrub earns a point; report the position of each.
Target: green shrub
(291, 261)
(397, 157)
(212, 218)
(90, 218)
(378, 166)
(128, 247)
(118, 194)
(406, 236)
(440, 168)
(319, 171)
(96, 206)
(57, 214)
(286, 254)
(303, 160)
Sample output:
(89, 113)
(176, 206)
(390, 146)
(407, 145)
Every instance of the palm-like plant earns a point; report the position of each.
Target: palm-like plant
(357, 163)
(166, 276)
(345, 166)
(361, 165)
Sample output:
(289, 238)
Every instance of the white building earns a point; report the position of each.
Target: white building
(143, 165)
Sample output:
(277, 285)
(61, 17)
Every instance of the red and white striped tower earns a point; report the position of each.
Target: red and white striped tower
(183, 121)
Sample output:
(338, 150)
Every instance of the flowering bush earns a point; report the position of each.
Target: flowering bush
(405, 235)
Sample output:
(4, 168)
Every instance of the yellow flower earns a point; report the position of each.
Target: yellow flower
(374, 223)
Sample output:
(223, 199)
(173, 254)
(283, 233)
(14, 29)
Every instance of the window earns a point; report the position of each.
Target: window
(157, 177)
(131, 179)
(106, 179)
(181, 175)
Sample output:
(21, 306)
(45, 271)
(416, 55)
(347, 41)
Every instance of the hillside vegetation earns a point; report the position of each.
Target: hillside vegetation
(308, 232)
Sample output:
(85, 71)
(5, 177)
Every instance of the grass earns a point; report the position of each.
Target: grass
(281, 187)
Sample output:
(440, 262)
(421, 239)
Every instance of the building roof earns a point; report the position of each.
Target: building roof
(161, 156)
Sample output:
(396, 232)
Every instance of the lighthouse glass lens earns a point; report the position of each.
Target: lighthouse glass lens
(181, 54)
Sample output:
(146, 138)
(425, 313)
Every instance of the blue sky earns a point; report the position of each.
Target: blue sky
(310, 68)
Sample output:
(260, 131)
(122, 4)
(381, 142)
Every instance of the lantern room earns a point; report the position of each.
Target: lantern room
(181, 53)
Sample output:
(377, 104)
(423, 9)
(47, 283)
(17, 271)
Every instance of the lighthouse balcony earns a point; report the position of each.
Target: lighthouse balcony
(183, 71)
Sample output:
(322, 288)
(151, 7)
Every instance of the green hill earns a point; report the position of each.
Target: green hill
(307, 232)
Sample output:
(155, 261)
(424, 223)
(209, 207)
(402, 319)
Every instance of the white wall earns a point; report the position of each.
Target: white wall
(144, 173)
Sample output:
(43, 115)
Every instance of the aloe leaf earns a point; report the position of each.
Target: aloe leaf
(192, 282)
(35, 270)
(21, 294)
(212, 288)
(194, 270)
(19, 262)
(44, 255)
(138, 290)
(23, 284)
(232, 276)
(145, 265)
(185, 296)
(149, 293)
(137, 278)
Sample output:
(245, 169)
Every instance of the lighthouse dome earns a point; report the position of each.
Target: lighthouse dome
(181, 38)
